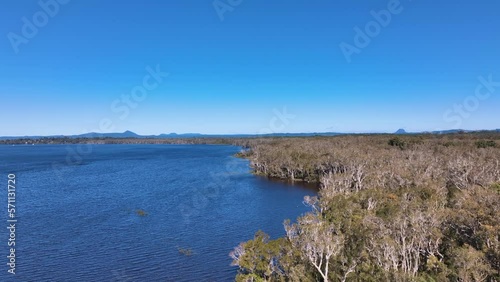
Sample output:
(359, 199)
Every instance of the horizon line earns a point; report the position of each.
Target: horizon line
(255, 134)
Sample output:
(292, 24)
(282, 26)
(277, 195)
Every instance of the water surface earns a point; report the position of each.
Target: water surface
(79, 221)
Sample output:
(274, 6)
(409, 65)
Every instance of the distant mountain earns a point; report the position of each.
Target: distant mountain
(175, 135)
(126, 134)
(130, 134)
(30, 137)
(401, 131)
(452, 131)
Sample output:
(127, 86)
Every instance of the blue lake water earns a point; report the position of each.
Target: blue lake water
(78, 220)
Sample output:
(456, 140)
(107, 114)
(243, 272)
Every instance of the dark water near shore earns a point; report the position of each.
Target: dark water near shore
(79, 222)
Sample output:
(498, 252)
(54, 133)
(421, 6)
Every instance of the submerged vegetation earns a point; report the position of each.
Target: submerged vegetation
(186, 252)
(406, 208)
(140, 212)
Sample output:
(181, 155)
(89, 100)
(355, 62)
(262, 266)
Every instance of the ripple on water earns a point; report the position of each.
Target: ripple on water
(81, 222)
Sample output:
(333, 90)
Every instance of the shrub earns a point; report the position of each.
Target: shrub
(397, 142)
(486, 144)
(449, 144)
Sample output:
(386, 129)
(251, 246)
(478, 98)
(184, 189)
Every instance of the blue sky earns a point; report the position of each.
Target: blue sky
(230, 70)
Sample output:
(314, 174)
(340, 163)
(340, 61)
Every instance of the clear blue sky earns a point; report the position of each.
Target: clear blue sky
(227, 76)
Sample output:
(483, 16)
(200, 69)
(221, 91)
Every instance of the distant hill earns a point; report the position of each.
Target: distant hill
(450, 131)
(130, 134)
(30, 137)
(175, 135)
(401, 131)
(126, 134)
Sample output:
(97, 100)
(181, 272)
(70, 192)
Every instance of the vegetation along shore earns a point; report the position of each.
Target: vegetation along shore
(390, 208)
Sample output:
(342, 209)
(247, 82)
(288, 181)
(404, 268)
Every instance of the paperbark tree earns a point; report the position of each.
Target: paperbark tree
(317, 240)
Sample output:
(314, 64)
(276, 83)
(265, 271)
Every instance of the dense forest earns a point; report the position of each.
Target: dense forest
(390, 208)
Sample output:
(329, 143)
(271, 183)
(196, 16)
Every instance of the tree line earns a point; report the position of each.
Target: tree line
(390, 208)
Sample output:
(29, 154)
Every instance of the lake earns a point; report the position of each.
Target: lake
(128, 212)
